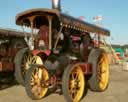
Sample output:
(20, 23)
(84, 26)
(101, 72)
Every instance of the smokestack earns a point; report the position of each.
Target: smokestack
(56, 5)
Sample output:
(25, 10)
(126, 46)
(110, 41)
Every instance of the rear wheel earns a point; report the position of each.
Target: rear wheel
(23, 60)
(36, 82)
(73, 83)
(100, 79)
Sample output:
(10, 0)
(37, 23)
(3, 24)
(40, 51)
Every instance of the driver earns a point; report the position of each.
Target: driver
(42, 37)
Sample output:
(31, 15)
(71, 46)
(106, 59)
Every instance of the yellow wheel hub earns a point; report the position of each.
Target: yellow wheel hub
(103, 71)
(39, 86)
(76, 84)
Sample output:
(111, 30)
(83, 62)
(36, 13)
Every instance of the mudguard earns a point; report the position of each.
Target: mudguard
(35, 52)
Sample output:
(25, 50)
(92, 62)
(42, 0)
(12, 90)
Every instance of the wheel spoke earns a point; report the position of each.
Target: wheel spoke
(40, 72)
(32, 83)
(33, 75)
(73, 93)
(30, 59)
(77, 77)
(102, 72)
(33, 60)
(101, 59)
(72, 76)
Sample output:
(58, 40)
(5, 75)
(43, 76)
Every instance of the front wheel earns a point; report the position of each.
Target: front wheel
(73, 83)
(36, 82)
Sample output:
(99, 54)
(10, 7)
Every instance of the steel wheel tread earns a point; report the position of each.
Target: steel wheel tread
(73, 83)
(34, 78)
(23, 60)
(100, 78)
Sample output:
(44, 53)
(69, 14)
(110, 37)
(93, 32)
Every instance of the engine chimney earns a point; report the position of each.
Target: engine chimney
(56, 5)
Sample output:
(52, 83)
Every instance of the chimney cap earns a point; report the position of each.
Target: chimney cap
(56, 5)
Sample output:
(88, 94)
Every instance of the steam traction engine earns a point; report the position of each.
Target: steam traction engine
(11, 42)
(61, 56)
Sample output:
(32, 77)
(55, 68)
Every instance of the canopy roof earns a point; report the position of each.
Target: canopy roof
(66, 20)
(11, 32)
